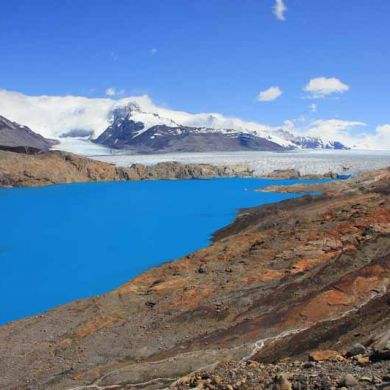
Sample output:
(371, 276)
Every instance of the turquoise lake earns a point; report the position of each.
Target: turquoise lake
(65, 242)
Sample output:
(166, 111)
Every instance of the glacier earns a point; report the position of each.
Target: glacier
(307, 162)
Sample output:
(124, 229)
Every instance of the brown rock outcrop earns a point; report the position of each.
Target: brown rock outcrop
(327, 355)
(295, 174)
(56, 167)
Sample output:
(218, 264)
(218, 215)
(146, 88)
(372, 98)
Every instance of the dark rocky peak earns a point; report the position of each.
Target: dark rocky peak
(119, 133)
(14, 136)
(121, 113)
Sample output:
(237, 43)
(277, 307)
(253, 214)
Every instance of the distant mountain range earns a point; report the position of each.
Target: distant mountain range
(309, 142)
(138, 131)
(16, 137)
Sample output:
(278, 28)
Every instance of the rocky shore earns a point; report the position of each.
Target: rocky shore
(303, 277)
(295, 174)
(55, 167)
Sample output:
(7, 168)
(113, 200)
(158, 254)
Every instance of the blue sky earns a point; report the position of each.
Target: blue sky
(202, 56)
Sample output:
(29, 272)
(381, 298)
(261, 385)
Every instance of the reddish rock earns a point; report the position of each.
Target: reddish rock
(325, 356)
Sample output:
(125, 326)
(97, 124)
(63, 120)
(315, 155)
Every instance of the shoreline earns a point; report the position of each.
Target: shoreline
(55, 167)
(194, 210)
(29, 170)
(255, 281)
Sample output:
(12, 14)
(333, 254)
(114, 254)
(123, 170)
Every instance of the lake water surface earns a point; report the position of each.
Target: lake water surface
(65, 242)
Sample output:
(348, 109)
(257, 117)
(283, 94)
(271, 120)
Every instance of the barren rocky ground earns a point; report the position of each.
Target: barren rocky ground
(330, 374)
(309, 275)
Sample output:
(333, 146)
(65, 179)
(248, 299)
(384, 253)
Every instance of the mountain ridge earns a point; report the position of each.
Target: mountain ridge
(140, 131)
(16, 137)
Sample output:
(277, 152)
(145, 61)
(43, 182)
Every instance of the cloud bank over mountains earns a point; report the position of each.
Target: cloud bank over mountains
(53, 116)
(345, 131)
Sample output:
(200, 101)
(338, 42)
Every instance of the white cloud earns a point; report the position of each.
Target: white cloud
(153, 51)
(110, 91)
(313, 107)
(269, 94)
(379, 140)
(52, 116)
(383, 130)
(280, 9)
(347, 132)
(333, 129)
(322, 86)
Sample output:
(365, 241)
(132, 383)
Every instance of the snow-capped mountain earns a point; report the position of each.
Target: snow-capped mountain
(141, 131)
(69, 118)
(145, 132)
(305, 142)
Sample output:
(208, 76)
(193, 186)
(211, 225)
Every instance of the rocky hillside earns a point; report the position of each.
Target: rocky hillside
(56, 167)
(304, 276)
(148, 132)
(20, 138)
